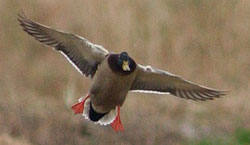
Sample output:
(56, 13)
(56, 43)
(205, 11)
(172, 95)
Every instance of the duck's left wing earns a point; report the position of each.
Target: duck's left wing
(82, 54)
(150, 80)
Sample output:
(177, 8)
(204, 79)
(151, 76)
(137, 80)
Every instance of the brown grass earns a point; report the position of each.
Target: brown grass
(207, 42)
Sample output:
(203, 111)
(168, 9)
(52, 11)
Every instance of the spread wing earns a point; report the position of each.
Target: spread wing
(150, 80)
(82, 54)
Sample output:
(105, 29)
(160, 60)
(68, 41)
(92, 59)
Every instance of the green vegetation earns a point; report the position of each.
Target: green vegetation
(240, 137)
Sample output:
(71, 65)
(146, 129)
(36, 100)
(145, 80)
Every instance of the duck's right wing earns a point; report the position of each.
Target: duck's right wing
(82, 54)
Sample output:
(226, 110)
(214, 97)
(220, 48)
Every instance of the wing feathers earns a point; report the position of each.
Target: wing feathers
(153, 80)
(33, 29)
(81, 53)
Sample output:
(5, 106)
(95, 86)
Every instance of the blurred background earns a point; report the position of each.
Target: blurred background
(204, 41)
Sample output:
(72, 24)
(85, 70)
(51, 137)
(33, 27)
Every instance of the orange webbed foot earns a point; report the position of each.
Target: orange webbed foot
(117, 124)
(78, 107)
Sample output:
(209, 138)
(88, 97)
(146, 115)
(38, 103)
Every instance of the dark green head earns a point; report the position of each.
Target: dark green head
(124, 61)
(121, 63)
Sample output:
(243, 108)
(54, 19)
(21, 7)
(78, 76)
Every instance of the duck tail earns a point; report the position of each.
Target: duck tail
(108, 118)
(95, 116)
(99, 118)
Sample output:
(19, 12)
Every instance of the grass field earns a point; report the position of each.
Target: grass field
(204, 41)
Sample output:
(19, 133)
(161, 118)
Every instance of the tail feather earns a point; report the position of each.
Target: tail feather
(95, 116)
(99, 118)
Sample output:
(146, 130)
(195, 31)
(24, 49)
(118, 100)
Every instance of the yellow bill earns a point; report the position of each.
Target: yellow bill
(125, 66)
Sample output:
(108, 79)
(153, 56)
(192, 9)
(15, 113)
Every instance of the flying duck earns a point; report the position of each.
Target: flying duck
(112, 75)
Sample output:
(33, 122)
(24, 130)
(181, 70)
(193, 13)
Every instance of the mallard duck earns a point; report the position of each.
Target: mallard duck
(112, 75)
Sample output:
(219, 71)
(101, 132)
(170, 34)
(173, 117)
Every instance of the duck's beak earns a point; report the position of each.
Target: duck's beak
(125, 66)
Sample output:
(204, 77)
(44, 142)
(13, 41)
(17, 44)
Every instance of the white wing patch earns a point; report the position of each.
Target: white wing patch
(98, 49)
(71, 62)
(150, 92)
(150, 69)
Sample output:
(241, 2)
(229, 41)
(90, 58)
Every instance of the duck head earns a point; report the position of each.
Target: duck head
(121, 63)
(124, 61)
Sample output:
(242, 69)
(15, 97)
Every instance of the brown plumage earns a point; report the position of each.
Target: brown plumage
(113, 75)
(109, 88)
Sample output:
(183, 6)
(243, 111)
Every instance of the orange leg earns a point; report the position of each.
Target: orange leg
(117, 124)
(78, 108)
